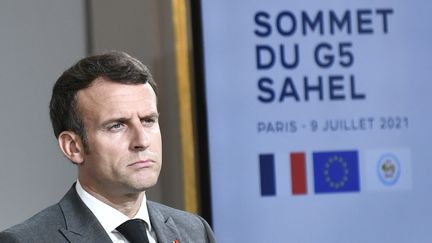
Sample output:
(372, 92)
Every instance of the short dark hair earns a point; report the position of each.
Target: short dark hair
(116, 66)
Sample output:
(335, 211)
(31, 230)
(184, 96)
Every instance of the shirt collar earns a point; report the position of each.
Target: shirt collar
(108, 216)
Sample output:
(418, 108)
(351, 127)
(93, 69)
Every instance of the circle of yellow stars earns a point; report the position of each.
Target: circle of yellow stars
(330, 162)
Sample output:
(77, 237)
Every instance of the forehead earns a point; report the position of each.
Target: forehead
(105, 97)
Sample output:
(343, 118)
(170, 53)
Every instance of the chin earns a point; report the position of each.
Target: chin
(145, 185)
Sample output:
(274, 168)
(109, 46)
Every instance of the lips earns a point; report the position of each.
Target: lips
(141, 164)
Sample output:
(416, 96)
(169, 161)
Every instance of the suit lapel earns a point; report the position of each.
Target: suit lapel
(165, 228)
(81, 224)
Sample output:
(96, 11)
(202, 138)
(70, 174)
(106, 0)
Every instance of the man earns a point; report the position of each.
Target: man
(104, 114)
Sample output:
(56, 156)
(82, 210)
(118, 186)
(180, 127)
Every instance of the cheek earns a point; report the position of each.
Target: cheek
(108, 143)
(157, 143)
(105, 153)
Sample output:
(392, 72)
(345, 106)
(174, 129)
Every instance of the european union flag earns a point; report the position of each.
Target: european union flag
(336, 171)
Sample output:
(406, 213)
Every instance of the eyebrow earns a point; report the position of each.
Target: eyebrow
(150, 115)
(125, 118)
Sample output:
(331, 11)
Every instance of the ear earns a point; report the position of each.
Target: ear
(71, 146)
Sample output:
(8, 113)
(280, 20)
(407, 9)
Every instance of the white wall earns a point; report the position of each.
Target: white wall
(38, 40)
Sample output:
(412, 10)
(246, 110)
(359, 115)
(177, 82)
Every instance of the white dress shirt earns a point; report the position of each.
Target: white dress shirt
(110, 218)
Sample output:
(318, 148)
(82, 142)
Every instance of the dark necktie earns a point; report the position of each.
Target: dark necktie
(134, 230)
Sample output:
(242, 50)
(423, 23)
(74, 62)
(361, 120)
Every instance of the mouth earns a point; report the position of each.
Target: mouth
(141, 164)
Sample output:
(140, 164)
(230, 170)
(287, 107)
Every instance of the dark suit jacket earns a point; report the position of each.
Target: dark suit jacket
(71, 220)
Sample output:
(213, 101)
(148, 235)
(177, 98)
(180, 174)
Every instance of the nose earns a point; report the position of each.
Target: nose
(140, 138)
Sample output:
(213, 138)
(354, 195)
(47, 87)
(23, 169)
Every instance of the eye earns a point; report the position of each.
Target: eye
(115, 126)
(149, 121)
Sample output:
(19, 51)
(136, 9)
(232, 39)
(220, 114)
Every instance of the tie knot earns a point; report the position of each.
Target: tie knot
(134, 230)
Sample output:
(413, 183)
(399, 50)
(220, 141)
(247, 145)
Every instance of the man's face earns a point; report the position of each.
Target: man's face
(124, 140)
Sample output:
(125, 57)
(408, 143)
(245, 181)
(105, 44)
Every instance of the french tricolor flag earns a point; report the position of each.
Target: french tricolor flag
(268, 175)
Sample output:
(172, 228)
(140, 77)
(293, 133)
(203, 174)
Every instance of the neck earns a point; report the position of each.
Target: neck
(127, 203)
